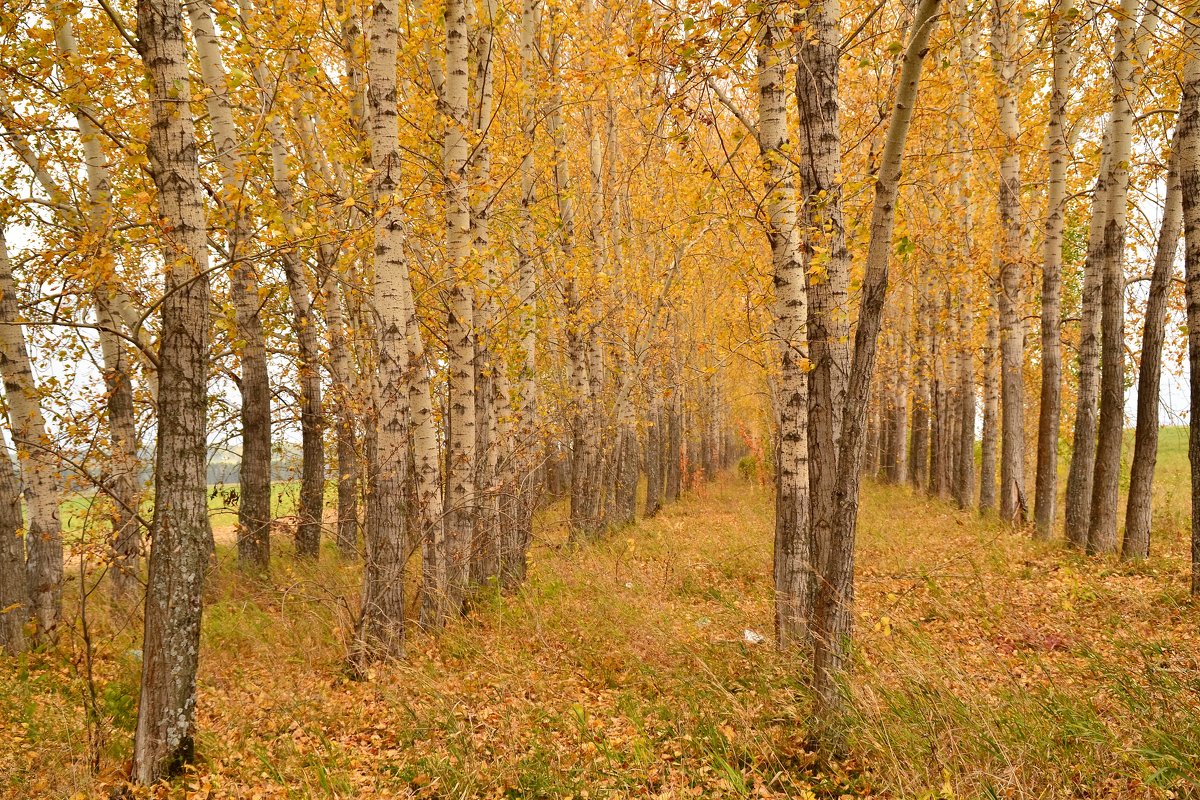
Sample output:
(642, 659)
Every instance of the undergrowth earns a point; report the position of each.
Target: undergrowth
(988, 665)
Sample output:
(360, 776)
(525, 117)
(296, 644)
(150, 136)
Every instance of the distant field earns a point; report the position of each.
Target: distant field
(83, 510)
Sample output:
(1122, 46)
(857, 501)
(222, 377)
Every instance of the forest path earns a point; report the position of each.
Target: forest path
(623, 668)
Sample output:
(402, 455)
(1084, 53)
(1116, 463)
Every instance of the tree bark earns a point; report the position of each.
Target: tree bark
(124, 473)
(653, 460)
(14, 594)
(1187, 139)
(824, 256)
(1106, 480)
(1005, 33)
(1138, 511)
(380, 631)
(835, 594)
(180, 531)
(672, 484)
(991, 409)
(1188, 144)
(1045, 497)
(793, 548)
(254, 506)
(460, 454)
(39, 472)
(311, 508)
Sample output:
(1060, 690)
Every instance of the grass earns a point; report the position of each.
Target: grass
(988, 665)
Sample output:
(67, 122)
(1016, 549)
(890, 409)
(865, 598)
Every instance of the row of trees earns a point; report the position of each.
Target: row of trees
(444, 252)
(451, 256)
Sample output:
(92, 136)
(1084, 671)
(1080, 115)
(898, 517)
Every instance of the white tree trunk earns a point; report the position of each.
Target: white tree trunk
(254, 507)
(1045, 499)
(35, 453)
(835, 593)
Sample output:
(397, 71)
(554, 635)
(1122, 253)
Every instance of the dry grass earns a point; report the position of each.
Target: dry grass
(989, 666)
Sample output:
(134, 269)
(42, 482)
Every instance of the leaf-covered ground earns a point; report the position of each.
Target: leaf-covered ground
(989, 666)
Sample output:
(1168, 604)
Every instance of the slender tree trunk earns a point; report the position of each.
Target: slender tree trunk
(653, 458)
(964, 491)
(1187, 142)
(1083, 457)
(39, 472)
(495, 481)
(1045, 499)
(180, 531)
(254, 506)
(793, 547)
(124, 473)
(380, 632)
(991, 409)
(14, 594)
(1106, 480)
(347, 452)
(460, 458)
(516, 543)
(1005, 37)
(672, 483)
(835, 595)
(1136, 543)
(825, 259)
(921, 401)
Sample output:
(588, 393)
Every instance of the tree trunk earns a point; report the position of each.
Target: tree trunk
(460, 456)
(254, 506)
(347, 452)
(180, 531)
(1187, 141)
(793, 553)
(825, 259)
(672, 483)
(835, 594)
(1106, 480)
(991, 409)
(14, 594)
(920, 450)
(39, 472)
(1005, 35)
(516, 544)
(380, 631)
(1045, 499)
(964, 474)
(124, 474)
(653, 462)
(1136, 543)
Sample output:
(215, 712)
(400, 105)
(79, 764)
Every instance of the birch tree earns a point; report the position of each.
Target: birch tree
(35, 452)
(1045, 499)
(1102, 522)
(254, 505)
(164, 739)
(835, 585)
(1136, 542)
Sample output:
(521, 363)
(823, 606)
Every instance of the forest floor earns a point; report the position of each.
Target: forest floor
(988, 665)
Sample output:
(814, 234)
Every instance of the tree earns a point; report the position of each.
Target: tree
(1006, 33)
(793, 549)
(1045, 497)
(1187, 142)
(380, 631)
(1102, 522)
(254, 506)
(835, 584)
(180, 533)
(35, 452)
(1136, 543)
